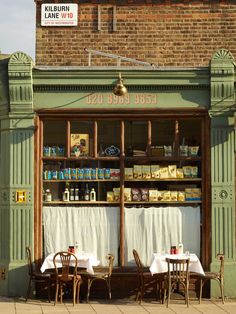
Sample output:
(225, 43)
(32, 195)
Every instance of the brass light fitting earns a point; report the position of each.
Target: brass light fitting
(120, 89)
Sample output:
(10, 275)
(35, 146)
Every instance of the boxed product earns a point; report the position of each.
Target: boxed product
(110, 196)
(166, 196)
(193, 151)
(107, 173)
(152, 195)
(137, 172)
(172, 171)
(79, 144)
(127, 195)
(181, 196)
(144, 194)
(179, 173)
(192, 194)
(115, 174)
(128, 173)
(155, 171)
(194, 172)
(187, 171)
(173, 196)
(183, 150)
(167, 151)
(116, 192)
(136, 195)
(157, 151)
(80, 173)
(146, 170)
(100, 173)
(164, 173)
(160, 196)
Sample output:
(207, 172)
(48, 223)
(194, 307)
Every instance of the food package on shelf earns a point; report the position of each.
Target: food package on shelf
(136, 195)
(155, 171)
(110, 196)
(115, 174)
(164, 173)
(144, 194)
(187, 171)
(146, 171)
(193, 151)
(179, 173)
(107, 173)
(194, 171)
(174, 196)
(79, 144)
(160, 196)
(129, 173)
(116, 192)
(192, 194)
(137, 172)
(157, 151)
(183, 150)
(152, 195)
(181, 196)
(166, 196)
(167, 150)
(127, 195)
(172, 169)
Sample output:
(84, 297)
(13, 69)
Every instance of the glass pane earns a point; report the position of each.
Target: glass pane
(108, 138)
(54, 138)
(82, 138)
(190, 137)
(136, 137)
(163, 136)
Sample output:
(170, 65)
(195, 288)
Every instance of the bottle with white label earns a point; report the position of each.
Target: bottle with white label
(181, 248)
(76, 193)
(92, 195)
(66, 195)
(72, 193)
(48, 196)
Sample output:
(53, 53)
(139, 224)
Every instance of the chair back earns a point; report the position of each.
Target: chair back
(221, 258)
(178, 269)
(138, 262)
(29, 260)
(110, 258)
(68, 265)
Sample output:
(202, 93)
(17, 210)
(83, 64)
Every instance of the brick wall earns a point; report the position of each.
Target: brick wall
(167, 33)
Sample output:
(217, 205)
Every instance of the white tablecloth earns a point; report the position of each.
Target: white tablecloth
(85, 260)
(159, 264)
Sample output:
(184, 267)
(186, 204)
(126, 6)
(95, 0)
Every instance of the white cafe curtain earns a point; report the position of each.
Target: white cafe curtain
(96, 229)
(155, 229)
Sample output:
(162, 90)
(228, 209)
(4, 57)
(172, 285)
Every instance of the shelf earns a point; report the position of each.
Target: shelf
(166, 180)
(162, 202)
(83, 180)
(79, 202)
(44, 158)
(162, 158)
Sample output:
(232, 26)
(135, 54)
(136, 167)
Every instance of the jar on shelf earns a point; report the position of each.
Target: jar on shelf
(66, 195)
(48, 196)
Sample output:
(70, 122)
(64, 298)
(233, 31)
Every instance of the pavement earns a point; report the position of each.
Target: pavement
(121, 306)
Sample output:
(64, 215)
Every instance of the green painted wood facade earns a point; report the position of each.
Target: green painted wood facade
(25, 89)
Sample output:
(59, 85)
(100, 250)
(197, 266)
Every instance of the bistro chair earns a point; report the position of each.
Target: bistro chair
(218, 276)
(102, 276)
(35, 276)
(178, 274)
(144, 278)
(66, 274)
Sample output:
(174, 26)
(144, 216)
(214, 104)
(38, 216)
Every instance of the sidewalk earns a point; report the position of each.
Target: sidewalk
(123, 306)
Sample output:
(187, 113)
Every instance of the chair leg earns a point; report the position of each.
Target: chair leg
(28, 290)
(187, 295)
(200, 292)
(61, 291)
(88, 290)
(56, 293)
(222, 290)
(109, 288)
(49, 291)
(78, 291)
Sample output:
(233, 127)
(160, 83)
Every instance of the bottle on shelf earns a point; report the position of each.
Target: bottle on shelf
(92, 195)
(76, 193)
(66, 195)
(86, 193)
(48, 196)
(72, 193)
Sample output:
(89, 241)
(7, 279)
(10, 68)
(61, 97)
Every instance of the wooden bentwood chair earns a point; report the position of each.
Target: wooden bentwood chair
(145, 278)
(104, 276)
(66, 274)
(218, 276)
(36, 276)
(178, 273)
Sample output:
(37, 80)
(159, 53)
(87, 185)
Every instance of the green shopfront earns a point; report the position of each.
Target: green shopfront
(160, 159)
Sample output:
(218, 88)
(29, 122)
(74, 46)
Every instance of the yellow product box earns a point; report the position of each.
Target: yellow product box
(179, 173)
(129, 173)
(137, 172)
(172, 169)
(152, 195)
(155, 171)
(110, 196)
(173, 196)
(193, 151)
(160, 196)
(127, 195)
(116, 192)
(146, 170)
(181, 196)
(166, 196)
(187, 171)
(164, 173)
(79, 144)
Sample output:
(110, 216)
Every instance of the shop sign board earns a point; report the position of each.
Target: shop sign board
(65, 14)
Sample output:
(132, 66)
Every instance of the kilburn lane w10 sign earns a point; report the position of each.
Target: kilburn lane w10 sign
(59, 14)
